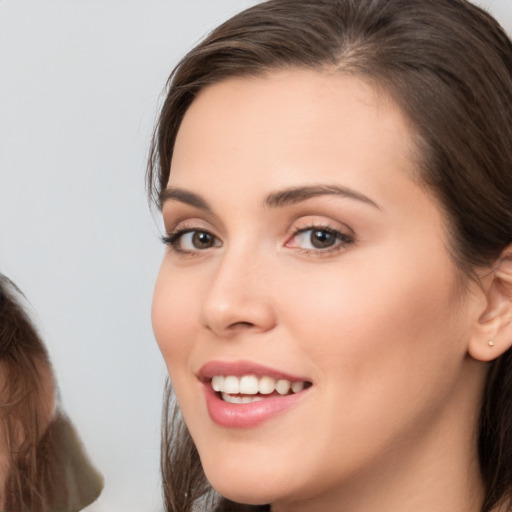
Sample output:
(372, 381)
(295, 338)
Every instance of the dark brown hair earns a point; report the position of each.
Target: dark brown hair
(45, 465)
(448, 65)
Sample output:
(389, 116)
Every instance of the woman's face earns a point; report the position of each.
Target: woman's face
(303, 250)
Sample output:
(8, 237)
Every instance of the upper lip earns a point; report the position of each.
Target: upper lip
(241, 368)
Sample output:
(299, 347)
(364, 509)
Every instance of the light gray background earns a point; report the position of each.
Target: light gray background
(80, 81)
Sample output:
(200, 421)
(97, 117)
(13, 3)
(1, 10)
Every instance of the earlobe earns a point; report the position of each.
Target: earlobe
(492, 336)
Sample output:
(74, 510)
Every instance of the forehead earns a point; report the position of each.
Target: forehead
(290, 116)
(310, 104)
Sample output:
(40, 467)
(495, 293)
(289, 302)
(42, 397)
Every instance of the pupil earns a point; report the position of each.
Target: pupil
(202, 240)
(322, 239)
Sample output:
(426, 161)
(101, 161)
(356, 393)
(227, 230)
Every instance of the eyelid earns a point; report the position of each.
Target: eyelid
(183, 227)
(179, 224)
(313, 221)
(173, 241)
(345, 236)
(175, 213)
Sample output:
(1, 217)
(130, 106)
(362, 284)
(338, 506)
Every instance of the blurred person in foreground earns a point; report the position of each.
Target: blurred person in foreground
(43, 465)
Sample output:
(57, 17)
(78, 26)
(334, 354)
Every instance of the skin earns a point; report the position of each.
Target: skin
(379, 324)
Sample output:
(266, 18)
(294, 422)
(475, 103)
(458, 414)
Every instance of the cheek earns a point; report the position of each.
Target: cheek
(171, 316)
(380, 326)
(386, 348)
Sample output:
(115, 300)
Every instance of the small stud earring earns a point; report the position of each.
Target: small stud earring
(491, 343)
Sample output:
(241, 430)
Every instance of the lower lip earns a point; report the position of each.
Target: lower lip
(249, 415)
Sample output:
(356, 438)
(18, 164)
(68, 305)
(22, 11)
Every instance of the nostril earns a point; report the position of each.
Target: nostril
(241, 325)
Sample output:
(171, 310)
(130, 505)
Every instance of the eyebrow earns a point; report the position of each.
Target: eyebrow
(276, 199)
(183, 196)
(298, 194)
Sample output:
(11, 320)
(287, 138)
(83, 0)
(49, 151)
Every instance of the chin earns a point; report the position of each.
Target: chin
(245, 495)
(251, 486)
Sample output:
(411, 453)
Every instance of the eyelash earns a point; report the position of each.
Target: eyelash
(174, 238)
(341, 240)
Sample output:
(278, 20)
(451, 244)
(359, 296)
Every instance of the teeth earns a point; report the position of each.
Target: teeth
(251, 385)
(297, 386)
(283, 386)
(218, 382)
(240, 399)
(267, 385)
(231, 385)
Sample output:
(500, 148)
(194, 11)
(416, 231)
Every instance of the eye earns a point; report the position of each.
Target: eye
(191, 240)
(319, 239)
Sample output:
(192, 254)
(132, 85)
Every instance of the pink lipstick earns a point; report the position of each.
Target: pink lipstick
(243, 394)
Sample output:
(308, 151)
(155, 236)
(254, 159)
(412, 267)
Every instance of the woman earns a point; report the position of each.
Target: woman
(335, 302)
(43, 466)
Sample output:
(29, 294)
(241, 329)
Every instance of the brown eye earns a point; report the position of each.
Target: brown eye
(322, 238)
(202, 239)
(190, 241)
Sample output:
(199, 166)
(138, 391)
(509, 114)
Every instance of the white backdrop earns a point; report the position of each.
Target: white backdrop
(80, 81)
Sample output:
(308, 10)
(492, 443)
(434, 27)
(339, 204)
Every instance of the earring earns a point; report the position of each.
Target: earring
(491, 343)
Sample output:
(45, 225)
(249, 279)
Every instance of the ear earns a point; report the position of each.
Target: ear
(492, 336)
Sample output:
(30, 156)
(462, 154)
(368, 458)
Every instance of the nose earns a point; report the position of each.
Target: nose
(239, 298)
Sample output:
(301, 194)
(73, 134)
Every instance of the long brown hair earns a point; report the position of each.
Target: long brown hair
(45, 466)
(448, 65)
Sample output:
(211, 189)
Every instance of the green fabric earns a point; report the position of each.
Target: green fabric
(72, 482)
(64, 480)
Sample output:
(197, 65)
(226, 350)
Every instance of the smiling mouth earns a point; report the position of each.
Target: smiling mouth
(250, 388)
